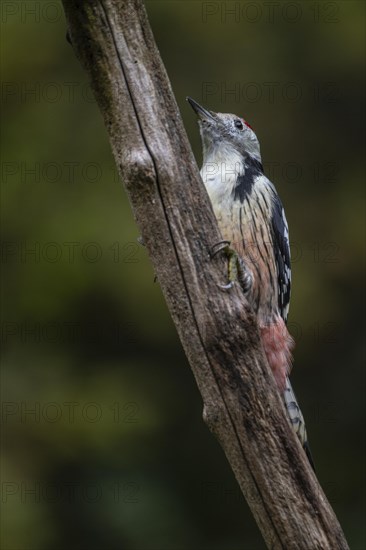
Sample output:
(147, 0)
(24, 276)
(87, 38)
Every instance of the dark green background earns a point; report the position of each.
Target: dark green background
(115, 450)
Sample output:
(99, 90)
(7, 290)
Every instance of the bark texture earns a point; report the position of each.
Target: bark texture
(114, 43)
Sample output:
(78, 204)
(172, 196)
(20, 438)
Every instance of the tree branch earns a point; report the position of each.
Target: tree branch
(242, 407)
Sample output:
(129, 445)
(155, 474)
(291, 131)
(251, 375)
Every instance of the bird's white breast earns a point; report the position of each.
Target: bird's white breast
(219, 173)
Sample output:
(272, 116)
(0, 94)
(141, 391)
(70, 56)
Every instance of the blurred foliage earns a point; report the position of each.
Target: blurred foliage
(103, 441)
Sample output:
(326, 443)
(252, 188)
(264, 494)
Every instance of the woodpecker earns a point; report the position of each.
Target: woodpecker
(252, 219)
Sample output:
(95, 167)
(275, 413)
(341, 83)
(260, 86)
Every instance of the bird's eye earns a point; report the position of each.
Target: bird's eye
(238, 123)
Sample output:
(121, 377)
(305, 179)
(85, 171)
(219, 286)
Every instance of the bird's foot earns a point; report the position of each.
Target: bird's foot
(237, 271)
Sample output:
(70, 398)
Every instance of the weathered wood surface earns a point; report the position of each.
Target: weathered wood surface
(114, 43)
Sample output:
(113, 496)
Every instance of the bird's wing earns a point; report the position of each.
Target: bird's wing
(281, 247)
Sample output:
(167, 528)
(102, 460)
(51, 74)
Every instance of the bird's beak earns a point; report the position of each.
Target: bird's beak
(202, 113)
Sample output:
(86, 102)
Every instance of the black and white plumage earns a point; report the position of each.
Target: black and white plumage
(281, 247)
(252, 171)
(251, 216)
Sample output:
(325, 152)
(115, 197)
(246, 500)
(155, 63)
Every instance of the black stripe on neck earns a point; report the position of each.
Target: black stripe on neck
(252, 168)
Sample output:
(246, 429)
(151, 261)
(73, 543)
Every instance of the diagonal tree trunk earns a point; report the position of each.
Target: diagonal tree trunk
(114, 43)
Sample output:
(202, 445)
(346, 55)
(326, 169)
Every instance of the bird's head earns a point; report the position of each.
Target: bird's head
(224, 130)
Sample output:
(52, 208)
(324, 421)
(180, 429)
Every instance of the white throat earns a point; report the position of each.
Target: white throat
(220, 170)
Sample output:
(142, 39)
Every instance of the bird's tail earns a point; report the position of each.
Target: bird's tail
(297, 419)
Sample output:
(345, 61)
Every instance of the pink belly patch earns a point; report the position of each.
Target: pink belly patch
(278, 345)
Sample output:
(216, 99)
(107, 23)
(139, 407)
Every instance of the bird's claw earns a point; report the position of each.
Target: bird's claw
(245, 278)
(228, 286)
(237, 270)
(218, 247)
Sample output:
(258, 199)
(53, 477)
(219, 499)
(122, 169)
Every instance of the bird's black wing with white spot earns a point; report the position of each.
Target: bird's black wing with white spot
(281, 246)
